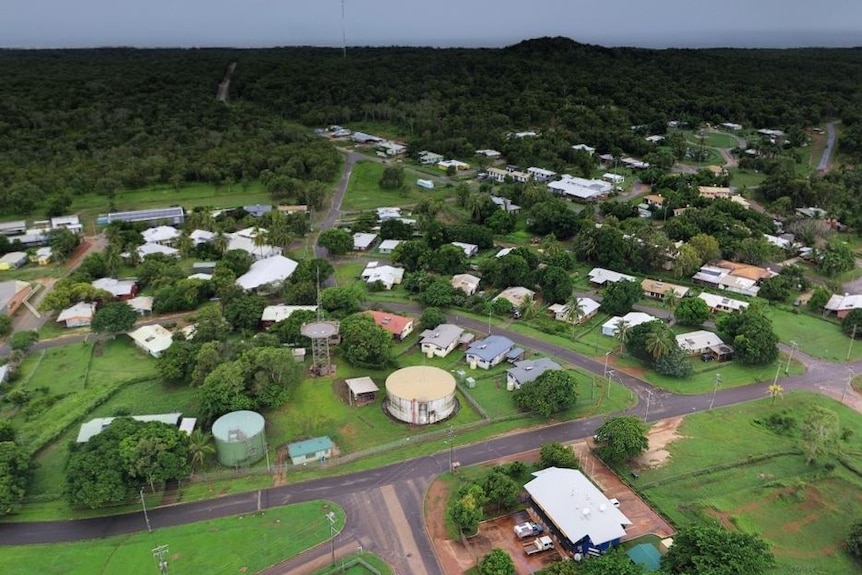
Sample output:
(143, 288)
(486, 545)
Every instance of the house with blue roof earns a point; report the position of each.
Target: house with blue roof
(310, 450)
(488, 352)
(528, 370)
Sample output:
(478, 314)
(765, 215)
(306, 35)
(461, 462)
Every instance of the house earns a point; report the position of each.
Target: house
(607, 158)
(152, 339)
(737, 199)
(13, 228)
(384, 214)
(164, 235)
(654, 139)
(488, 352)
(385, 274)
(151, 249)
(362, 390)
(202, 236)
(841, 305)
(704, 343)
(427, 184)
(580, 189)
(71, 223)
(527, 371)
(96, 426)
(273, 314)
(715, 193)
(812, 213)
(458, 165)
(13, 261)
(314, 449)
(589, 308)
(541, 174)
(427, 158)
(469, 250)
(398, 325)
(584, 148)
(79, 315)
(504, 252)
(658, 289)
(120, 289)
(631, 319)
(441, 340)
(634, 164)
(731, 126)
(725, 278)
(257, 210)
(143, 305)
(12, 294)
(614, 179)
(516, 175)
(388, 246)
(719, 303)
(581, 517)
(290, 209)
(268, 272)
(506, 204)
(716, 170)
(174, 215)
(771, 133)
(363, 138)
(492, 154)
(654, 200)
(517, 296)
(467, 283)
(245, 240)
(391, 148)
(527, 134)
(42, 256)
(362, 242)
(779, 242)
(601, 276)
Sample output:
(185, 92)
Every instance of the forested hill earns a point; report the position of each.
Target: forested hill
(77, 120)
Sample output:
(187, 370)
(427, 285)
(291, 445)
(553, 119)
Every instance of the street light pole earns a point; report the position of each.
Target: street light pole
(648, 399)
(793, 346)
(716, 381)
(610, 374)
(144, 507)
(852, 339)
(332, 534)
(607, 353)
(451, 439)
(850, 375)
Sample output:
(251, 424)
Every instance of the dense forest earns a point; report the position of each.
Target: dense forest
(75, 121)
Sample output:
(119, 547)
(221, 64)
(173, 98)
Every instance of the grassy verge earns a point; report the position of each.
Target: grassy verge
(758, 482)
(732, 374)
(816, 336)
(244, 543)
(352, 565)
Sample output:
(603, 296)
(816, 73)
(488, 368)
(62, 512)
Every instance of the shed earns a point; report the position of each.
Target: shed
(645, 555)
(13, 260)
(314, 449)
(361, 390)
(427, 184)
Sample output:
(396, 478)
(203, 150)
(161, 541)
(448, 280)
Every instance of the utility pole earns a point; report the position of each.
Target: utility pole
(607, 353)
(450, 435)
(610, 373)
(332, 533)
(144, 507)
(850, 375)
(160, 554)
(852, 338)
(716, 381)
(793, 346)
(648, 399)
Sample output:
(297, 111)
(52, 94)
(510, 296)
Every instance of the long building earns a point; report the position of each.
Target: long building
(174, 215)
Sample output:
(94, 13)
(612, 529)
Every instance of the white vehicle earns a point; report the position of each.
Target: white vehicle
(538, 545)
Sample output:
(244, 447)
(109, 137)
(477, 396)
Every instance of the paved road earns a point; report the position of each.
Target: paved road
(337, 199)
(827, 151)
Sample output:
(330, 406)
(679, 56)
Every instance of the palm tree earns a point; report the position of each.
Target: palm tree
(775, 391)
(574, 312)
(200, 447)
(621, 332)
(220, 242)
(185, 244)
(528, 307)
(658, 342)
(671, 299)
(113, 261)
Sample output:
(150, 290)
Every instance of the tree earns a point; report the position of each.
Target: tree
(396, 230)
(501, 489)
(23, 340)
(819, 434)
(177, 363)
(114, 318)
(432, 317)
(775, 391)
(5, 325)
(751, 335)
(63, 243)
(675, 363)
(497, 562)
(687, 262)
(706, 246)
(622, 331)
(210, 325)
(556, 285)
(14, 475)
(819, 298)
(7, 431)
(69, 291)
(340, 300)
(621, 438)
(243, 311)
(776, 288)
(618, 298)
(854, 540)
(467, 511)
(239, 261)
(392, 179)
(852, 323)
(712, 550)
(557, 455)
(155, 453)
(364, 343)
(659, 342)
(200, 447)
(439, 293)
(691, 311)
(337, 242)
(551, 392)
(575, 311)
(447, 260)
(412, 254)
(289, 331)
(837, 257)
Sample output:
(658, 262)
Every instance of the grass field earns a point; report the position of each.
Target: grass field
(745, 178)
(344, 566)
(816, 337)
(756, 482)
(364, 192)
(732, 374)
(240, 544)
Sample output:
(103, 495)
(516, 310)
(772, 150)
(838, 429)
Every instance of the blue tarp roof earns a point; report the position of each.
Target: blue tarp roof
(645, 555)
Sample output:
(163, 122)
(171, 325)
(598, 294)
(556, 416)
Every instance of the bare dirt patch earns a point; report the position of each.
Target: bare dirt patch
(661, 435)
(451, 554)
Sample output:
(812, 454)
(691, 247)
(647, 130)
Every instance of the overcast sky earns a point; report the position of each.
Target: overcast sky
(247, 23)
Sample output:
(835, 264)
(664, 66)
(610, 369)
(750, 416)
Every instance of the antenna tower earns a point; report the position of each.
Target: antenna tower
(343, 33)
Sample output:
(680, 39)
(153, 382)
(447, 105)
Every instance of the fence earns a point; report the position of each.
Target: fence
(345, 565)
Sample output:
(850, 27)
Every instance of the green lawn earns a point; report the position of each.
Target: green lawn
(745, 178)
(757, 482)
(364, 192)
(733, 374)
(241, 544)
(717, 140)
(353, 565)
(816, 336)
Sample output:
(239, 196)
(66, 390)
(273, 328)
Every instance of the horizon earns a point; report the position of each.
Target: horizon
(661, 24)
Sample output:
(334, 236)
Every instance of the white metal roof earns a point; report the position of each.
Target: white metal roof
(79, 310)
(114, 286)
(154, 338)
(281, 312)
(602, 276)
(270, 270)
(362, 240)
(359, 385)
(160, 234)
(695, 341)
